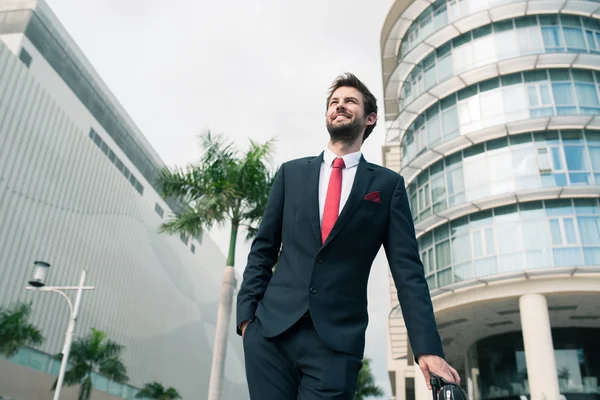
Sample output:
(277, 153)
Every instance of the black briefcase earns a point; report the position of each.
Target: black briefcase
(443, 390)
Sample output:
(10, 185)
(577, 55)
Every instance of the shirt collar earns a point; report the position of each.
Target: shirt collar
(350, 160)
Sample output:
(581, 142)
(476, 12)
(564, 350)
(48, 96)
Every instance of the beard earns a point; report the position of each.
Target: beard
(348, 132)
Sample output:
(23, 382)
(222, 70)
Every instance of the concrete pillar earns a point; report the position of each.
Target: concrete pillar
(539, 351)
(421, 390)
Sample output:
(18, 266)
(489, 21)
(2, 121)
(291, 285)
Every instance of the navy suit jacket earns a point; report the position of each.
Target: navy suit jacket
(330, 279)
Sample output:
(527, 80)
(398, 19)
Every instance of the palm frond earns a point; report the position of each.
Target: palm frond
(15, 329)
(114, 369)
(172, 394)
(192, 220)
(94, 353)
(365, 384)
(181, 184)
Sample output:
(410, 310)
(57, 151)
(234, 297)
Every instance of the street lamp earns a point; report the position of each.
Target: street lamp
(38, 283)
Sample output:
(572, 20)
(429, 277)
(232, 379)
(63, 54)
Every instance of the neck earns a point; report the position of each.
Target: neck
(340, 148)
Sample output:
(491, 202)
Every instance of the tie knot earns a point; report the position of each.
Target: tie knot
(339, 163)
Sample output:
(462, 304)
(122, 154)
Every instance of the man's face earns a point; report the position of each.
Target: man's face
(345, 118)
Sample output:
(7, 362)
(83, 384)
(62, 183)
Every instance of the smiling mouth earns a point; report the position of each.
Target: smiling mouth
(341, 115)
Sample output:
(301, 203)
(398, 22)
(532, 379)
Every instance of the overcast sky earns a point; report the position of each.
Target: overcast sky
(246, 69)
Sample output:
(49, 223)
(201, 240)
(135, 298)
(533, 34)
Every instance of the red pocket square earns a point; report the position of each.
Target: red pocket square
(374, 197)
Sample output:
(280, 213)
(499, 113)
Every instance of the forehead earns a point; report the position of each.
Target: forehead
(347, 91)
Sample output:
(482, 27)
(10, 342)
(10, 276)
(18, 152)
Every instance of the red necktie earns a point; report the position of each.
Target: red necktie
(332, 201)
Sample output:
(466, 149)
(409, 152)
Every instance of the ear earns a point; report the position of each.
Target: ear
(371, 119)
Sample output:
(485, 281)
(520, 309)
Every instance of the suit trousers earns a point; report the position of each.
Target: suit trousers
(297, 365)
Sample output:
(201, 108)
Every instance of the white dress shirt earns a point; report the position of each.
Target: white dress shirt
(348, 174)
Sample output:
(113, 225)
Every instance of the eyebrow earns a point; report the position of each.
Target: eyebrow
(347, 98)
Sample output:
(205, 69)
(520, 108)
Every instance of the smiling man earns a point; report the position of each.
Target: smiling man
(327, 217)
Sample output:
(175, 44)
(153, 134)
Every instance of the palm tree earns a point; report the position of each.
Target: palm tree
(157, 391)
(365, 385)
(93, 353)
(16, 331)
(224, 187)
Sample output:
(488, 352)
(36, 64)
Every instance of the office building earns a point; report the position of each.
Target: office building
(492, 111)
(78, 190)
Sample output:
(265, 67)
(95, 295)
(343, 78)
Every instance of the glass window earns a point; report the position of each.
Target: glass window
(450, 122)
(511, 79)
(520, 139)
(496, 144)
(455, 181)
(445, 277)
(570, 20)
(552, 37)
(489, 85)
(434, 129)
(528, 35)
(548, 137)
(570, 236)
(595, 157)
(440, 16)
(576, 158)
(460, 40)
(589, 230)
(463, 271)
(559, 207)
(574, 39)
(587, 97)
(586, 207)
(556, 153)
(535, 234)
(467, 92)
(441, 233)
(482, 31)
(556, 232)
(591, 41)
(563, 93)
(509, 234)
(572, 136)
(461, 249)
(559, 75)
(442, 254)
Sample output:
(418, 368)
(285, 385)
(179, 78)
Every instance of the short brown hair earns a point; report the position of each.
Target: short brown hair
(350, 80)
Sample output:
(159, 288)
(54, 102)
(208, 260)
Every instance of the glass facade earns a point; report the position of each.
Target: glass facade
(501, 41)
(501, 373)
(497, 101)
(505, 165)
(492, 117)
(444, 12)
(46, 363)
(517, 237)
(440, 14)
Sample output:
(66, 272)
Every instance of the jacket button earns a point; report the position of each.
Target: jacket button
(313, 290)
(319, 260)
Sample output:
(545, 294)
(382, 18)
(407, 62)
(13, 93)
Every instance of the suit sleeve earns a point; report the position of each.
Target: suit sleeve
(409, 278)
(263, 254)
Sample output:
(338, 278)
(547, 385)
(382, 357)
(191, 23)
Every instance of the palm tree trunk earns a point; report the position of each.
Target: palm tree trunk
(86, 388)
(223, 318)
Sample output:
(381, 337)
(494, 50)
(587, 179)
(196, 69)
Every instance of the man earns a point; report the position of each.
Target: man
(303, 327)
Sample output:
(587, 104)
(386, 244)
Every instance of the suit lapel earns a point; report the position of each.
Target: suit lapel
(362, 180)
(312, 193)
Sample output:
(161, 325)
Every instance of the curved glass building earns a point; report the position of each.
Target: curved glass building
(77, 190)
(492, 111)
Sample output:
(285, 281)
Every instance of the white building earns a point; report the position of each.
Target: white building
(493, 117)
(76, 190)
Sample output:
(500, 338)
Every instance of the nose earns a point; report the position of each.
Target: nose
(340, 108)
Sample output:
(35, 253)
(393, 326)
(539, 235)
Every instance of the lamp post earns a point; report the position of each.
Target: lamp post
(38, 284)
